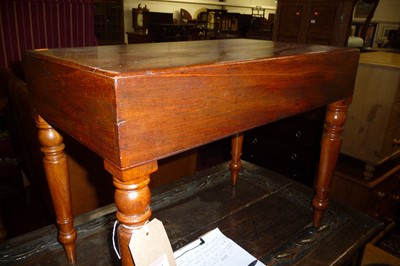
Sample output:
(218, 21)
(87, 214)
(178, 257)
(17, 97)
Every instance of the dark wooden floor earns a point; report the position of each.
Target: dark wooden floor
(267, 214)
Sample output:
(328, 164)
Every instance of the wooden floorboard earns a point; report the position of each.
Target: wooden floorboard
(267, 214)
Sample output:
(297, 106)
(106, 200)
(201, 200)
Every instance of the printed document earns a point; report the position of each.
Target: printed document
(214, 249)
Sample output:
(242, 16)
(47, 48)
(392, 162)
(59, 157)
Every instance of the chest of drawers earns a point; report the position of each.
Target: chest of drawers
(289, 147)
(379, 197)
(372, 132)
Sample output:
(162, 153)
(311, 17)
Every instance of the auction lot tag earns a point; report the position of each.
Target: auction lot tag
(150, 246)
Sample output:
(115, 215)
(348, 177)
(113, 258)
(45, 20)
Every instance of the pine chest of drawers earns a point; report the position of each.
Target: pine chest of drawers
(372, 131)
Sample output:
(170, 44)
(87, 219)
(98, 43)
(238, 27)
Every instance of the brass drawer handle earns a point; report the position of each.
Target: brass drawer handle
(396, 141)
(380, 194)
(395, 197)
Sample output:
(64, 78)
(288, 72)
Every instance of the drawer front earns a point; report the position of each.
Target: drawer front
(385, 200)
(291, 161)
(296, 131)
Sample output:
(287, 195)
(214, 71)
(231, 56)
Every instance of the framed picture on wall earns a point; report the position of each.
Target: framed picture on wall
(362, 9)
(382, 33)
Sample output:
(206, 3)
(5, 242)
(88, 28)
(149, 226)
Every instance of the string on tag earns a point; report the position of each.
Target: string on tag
(144, 227)
(113, 239)
(116, 223)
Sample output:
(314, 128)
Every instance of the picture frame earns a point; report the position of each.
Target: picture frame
(362, 9)
(382, 32)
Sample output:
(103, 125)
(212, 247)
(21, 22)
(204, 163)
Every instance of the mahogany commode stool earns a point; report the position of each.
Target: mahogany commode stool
(136, 104)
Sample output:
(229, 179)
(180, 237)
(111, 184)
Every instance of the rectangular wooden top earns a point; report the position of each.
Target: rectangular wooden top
(132, 104)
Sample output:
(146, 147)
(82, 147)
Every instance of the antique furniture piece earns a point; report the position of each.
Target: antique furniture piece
(149, 18)
(382, 249)
(309, 21)
(371, 139)
(136, 104)
(91, 184)
(372, 133)
(210, 24)
(138, 37)
(109, 21)
(267, 214)
(291, 146)
(139, 19)
(379, 197)
(170, 32)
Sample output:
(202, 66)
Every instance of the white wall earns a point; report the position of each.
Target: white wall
(387, 17)
(193, 7)
(387, 11)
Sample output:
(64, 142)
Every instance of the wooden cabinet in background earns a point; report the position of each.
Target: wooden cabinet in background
(313, 21)
(109, 21)
(368, 175)
(379, 197)
(138, 37)
(290, 147)
(372, 130)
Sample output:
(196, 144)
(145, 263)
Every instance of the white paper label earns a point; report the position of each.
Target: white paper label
(150, 246)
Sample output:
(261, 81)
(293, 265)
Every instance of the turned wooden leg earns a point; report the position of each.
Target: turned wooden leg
(56, 170)
(236, 164)
(132, 199)
(330, 147)
(369, 171)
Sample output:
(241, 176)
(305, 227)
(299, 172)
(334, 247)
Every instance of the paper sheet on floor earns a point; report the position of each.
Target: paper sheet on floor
(214, 249)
